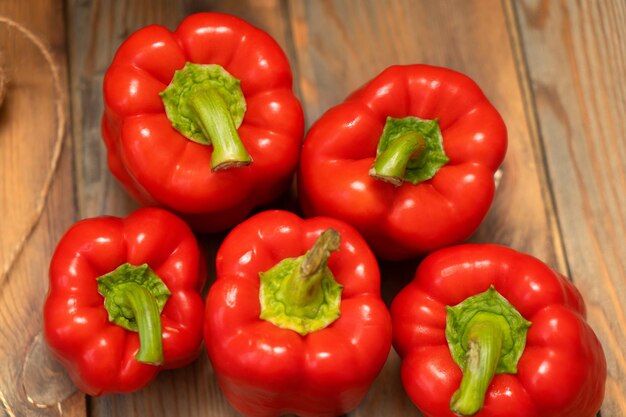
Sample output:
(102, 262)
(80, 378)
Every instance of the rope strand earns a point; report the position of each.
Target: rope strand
(56, 151)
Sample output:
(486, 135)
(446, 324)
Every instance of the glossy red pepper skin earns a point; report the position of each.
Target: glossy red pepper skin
(99, 355)
(562, 370)
(160, 167)
(410, 220)
(264, 370)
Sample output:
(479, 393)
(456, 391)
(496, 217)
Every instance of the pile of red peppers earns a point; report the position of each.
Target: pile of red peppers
(202, 126)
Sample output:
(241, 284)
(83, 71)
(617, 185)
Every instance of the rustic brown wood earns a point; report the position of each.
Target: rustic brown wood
(576, 63)
(96, 31)
(340, 45)
(343, 44)
(553, 69)
(36, 205)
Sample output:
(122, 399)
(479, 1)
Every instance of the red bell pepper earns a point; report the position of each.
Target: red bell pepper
(124, 300)
(408, 160)
(202, 120)
(487, 323)
(294, 322)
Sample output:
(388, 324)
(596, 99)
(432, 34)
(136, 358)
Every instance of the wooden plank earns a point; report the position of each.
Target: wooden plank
(96, 30)
(576, 56)
(36, 205)
(334, 46)
(341, 44)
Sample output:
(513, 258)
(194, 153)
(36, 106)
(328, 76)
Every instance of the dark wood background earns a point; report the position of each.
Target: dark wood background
(554, 69)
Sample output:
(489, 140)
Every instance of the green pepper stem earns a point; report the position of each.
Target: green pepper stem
(146, 313)
(390, 165)
(302, 291)
(484, 339)
(218, 126)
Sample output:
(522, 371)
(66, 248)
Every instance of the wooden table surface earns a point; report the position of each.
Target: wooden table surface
(556, 71)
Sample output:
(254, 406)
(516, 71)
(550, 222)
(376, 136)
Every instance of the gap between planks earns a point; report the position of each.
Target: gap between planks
(534, 129)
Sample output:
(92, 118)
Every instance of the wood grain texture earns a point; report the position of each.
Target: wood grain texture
(96, 30)
(576, 59)
(341, 44)
(36, 206)
(536, 61)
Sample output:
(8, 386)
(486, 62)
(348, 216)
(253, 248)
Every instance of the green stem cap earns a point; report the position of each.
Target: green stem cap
(134, 297)
(301, 293)
(486, 336)
(205, 104)
(410, 149)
